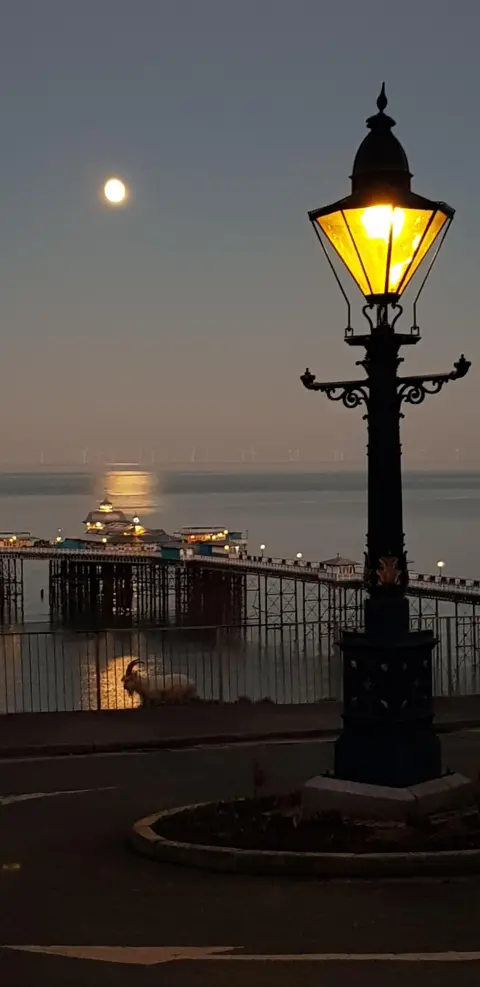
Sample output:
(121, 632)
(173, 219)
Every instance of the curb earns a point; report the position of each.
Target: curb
(179, 743)
(293, 864)
(170, 743)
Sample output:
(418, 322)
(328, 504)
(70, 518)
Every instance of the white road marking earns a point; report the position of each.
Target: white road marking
(140, 955)
(153, 955)
(10, 799)
(255, 743)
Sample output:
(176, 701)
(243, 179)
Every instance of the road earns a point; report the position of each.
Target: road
(69, 879)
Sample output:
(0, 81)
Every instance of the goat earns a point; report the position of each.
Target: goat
(175, 688)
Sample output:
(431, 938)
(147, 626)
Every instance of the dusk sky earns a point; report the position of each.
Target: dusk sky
(185, 318)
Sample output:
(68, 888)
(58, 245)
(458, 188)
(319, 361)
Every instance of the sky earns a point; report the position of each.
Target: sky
(182, 321)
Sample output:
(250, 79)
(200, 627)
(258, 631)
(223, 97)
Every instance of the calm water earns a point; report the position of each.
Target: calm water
(318, 514)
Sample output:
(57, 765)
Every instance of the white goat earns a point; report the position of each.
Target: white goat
(175, 688)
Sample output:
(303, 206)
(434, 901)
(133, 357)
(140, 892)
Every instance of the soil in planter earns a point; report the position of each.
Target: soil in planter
(274, 824)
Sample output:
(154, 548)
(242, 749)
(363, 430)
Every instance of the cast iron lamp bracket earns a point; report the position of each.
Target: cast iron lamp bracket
(351, 392)
(412, 390)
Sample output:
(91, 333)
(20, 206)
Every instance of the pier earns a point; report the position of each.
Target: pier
(109, 585)
(125, 588)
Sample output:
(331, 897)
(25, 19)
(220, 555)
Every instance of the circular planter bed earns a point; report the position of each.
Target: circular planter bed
(267, 835)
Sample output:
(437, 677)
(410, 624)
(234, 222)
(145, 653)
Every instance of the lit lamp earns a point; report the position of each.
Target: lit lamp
(441, 566)
(262, 549)
(299, 555)
(382, 232)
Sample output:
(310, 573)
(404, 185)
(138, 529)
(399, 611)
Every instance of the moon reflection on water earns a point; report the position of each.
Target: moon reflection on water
(132, 490)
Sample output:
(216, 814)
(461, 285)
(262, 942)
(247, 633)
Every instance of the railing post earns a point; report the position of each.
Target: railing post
(220, 671)
(474, 652)
(97, 671)
(448, 642)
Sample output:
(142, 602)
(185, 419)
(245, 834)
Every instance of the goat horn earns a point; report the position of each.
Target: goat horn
(130, 666)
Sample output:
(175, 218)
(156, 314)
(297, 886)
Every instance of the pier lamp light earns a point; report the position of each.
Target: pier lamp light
(299, 555)
(262, 548)
(440, 565)
(382, 231)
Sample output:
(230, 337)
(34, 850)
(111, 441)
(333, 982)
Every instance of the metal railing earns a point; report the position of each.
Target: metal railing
(295, 567)
(294, 663)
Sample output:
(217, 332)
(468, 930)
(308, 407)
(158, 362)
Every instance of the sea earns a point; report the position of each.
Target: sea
(320, 513)
(316, 512)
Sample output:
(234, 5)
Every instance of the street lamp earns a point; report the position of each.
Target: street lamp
(440, 566)
(262, 549)
(382, 232)
(299, 555)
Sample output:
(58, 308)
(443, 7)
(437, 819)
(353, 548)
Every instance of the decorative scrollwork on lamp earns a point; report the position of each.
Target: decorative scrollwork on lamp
(416, 393)
(352, 393)
(388, 572)
(413, 390)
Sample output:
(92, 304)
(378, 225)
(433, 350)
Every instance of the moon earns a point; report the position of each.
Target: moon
(115, 191)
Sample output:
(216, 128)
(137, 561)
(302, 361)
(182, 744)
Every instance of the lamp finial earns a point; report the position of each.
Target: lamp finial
(382, 101)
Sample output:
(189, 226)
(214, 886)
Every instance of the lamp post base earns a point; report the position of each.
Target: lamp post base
(388, 737)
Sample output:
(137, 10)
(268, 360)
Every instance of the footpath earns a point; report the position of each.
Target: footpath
(30, 734)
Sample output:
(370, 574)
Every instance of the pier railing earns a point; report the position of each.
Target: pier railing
(417, 580)
(295, 663)
(450, 586)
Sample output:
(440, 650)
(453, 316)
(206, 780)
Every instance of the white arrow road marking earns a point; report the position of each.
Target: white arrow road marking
(153, 955)
(9, 799)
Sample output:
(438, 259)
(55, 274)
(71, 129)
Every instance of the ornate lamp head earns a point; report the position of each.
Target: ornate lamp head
(382, 231)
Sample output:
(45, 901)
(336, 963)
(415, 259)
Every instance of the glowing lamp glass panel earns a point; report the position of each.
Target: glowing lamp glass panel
(421, 245)
(382, 245)
(335, 228)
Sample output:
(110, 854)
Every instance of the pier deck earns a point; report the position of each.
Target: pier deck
(447, 587)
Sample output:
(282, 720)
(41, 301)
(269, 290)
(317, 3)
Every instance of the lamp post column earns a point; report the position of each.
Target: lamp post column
(388, 736)
(385, 561)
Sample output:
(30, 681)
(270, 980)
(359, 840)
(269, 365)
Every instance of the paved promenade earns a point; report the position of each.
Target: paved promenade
(26, 734)
(79, 908)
